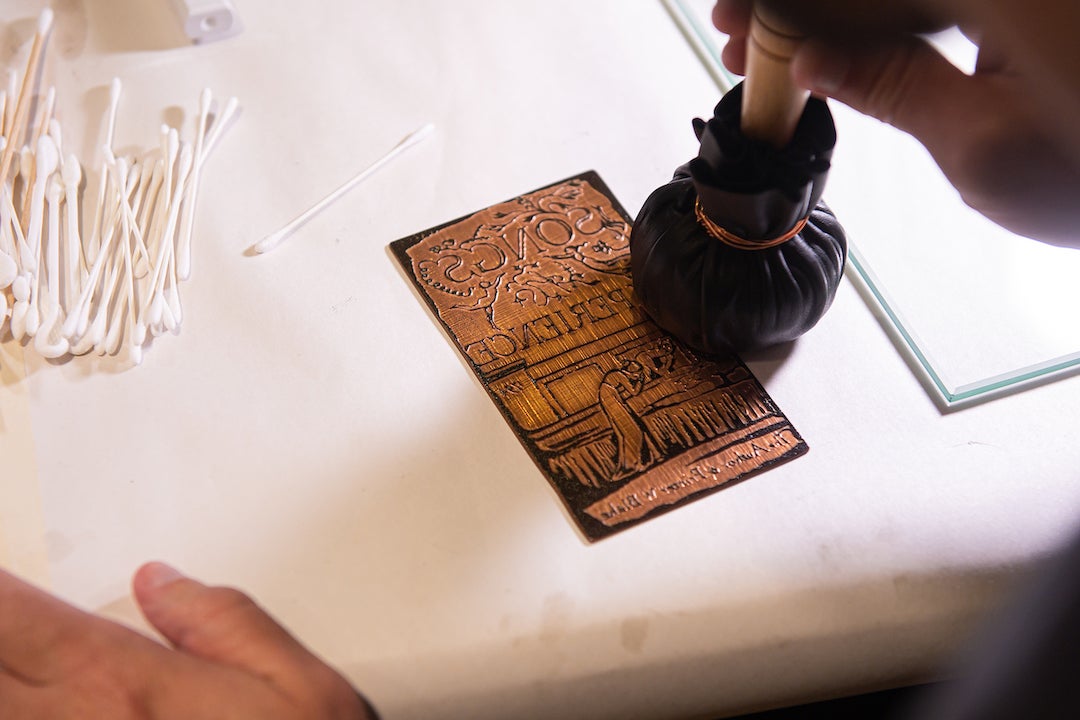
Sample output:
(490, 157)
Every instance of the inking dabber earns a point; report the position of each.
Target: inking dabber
(271, 241)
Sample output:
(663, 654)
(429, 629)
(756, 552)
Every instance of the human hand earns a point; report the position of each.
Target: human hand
(1005, 136)
(228, 659)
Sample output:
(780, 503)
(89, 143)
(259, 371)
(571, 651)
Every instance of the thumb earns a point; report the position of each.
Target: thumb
(218, 624)
(902, 81)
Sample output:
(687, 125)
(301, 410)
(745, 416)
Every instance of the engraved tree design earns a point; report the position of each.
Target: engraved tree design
(528, 252)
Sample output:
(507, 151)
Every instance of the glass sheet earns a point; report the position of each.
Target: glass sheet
(978, 309)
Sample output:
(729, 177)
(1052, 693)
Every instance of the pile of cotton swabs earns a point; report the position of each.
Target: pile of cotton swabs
(106, 280)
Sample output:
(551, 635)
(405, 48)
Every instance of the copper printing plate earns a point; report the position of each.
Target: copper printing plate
(624, 420)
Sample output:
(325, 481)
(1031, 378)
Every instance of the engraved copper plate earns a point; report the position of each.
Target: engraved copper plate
(624, 420)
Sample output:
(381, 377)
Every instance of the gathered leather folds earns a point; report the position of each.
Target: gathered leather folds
(717, 297)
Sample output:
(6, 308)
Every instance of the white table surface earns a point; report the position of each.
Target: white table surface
(312, 437)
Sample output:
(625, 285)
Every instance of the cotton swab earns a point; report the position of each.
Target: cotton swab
(45, 162)
(173, 311)
(145, 217)
(71, 293)
(71, 174)
(41, 127)
(22, 107)
(77, 318)
(218, 128)
(52, 247)
(33, 318)
(9, 110)
(116, 323)
(124, 323)
(20, 289)
(8, 218)
(94, 337)
(160, 238)
(142, 195)
(9, 267)
(271, 241)
(183, 250)
(94, 243)
(49, 342)
(57, 134)
(29, 254)
(158, 305)
(99, 329)
(92, 332)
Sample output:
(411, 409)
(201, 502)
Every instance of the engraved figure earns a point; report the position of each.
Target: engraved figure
(633, 446)
(658, 359)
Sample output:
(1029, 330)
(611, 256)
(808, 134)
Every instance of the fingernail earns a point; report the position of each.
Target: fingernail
(158, 574)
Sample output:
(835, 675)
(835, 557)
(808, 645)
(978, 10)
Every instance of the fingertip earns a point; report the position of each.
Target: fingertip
(734, 55)
(820, 68)
(732, 16)
(152, 577)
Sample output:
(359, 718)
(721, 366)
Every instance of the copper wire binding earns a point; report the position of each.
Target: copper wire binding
(741, 243)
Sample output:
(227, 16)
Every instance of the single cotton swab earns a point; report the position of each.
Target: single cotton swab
(20, 289)
(9, 110)
(9, 266)
(94, 242)
(9, 269)
(9, 219)
(49, 342)
(218, 128)
(45, 163)
(271, 241)
(71, 173)
(29, 253)
(183, 250)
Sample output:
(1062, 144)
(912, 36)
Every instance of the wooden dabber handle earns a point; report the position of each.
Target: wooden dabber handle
(772, 104)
